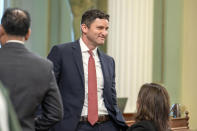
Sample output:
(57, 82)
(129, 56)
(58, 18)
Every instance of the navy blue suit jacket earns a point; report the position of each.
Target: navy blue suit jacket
(68, 68)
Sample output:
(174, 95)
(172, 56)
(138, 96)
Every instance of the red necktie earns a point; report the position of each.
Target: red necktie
(92, 91)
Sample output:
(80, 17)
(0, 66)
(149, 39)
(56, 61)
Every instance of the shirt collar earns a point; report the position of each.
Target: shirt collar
(84, 47)
(16, 41)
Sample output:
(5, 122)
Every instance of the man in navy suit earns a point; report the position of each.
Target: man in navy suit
(78, 78)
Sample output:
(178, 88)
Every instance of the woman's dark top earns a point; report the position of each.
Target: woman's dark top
(143, 126)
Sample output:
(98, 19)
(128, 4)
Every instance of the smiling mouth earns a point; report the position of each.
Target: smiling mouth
(102, 38)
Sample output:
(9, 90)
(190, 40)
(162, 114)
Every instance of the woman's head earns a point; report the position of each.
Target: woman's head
(153, 104)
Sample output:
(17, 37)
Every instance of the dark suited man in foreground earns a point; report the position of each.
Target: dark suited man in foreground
(28, 77)
(86, 79)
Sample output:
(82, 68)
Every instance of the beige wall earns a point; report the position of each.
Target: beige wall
(189, 61)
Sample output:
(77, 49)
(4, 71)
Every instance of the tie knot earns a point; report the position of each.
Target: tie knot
(90, 52)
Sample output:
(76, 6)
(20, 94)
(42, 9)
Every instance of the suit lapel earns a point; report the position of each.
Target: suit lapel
(78, 59)
(103, 66)
(106, 91)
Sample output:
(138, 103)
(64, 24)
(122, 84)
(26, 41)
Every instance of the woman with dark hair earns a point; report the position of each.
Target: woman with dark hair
(153, 109)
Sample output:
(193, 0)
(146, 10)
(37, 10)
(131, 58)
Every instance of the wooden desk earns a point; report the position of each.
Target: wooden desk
(176, 124)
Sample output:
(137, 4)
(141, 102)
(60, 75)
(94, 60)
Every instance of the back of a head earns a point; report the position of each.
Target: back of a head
(16, 21)
(153, 104)
(89, 16)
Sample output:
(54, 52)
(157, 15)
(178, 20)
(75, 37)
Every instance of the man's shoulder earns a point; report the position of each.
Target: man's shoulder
(66, 45)
(24, 55)
(63, 49)
(35, 58)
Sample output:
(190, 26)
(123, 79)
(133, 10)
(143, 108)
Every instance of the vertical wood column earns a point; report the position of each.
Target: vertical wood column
(130, 43)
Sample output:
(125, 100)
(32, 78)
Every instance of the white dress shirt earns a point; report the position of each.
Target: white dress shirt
(15, 41)
(100, 81)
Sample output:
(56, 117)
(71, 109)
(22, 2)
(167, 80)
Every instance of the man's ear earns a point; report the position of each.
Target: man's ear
(84, 28)
(2, 31)
(28, 34)
(2, 35)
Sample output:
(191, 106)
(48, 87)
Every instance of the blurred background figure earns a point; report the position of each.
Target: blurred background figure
(153, 109)
(8, 119)
(29, 78)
